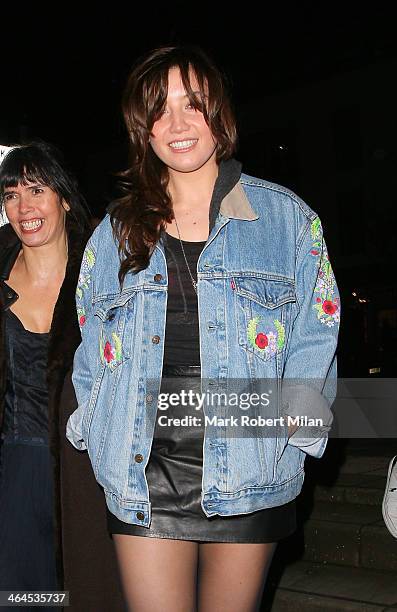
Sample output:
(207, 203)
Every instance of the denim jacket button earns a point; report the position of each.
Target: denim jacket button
(138, 458)
(149, 398)
(158, 277)
(156, 339)
(140, 516)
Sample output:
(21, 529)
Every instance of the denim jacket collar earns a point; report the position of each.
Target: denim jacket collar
(236, 205)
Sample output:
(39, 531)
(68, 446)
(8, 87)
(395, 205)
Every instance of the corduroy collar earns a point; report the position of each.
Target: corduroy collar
(228, 196)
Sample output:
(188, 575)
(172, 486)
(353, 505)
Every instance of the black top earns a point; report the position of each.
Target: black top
(182, 327)
(26, 398)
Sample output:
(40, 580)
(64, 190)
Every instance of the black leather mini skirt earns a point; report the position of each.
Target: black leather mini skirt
(174, 475)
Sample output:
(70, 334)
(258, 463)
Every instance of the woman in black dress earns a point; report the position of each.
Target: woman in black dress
(46, 486)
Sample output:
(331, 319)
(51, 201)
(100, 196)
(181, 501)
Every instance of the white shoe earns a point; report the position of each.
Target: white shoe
(389, 506)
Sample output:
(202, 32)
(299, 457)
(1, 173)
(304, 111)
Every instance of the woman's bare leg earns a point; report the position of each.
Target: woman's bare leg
(158, 575)
(232, 576)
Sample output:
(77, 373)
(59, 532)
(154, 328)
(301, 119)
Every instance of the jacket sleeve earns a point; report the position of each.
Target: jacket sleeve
(310, 378)
(86, 356)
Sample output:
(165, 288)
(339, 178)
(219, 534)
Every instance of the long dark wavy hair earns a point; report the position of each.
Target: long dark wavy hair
(139, 216)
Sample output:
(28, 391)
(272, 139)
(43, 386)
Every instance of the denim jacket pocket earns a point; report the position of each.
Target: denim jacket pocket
(116, 328)
(263, 314)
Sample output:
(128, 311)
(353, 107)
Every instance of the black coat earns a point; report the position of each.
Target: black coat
(86, 560)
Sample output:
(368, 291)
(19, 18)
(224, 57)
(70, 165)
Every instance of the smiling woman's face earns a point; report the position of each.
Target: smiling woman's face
(35, 212)
(181, 137)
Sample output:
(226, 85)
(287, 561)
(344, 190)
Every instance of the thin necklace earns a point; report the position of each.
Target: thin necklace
(194, 283)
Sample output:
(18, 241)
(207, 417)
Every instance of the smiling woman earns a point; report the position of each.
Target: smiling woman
(181, 137)
(201, 278)
(37, 195)
(36, 213)
(40, 254)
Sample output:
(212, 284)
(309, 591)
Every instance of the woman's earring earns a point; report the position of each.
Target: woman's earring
(66, 206)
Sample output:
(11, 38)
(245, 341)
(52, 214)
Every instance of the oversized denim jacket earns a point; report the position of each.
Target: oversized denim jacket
(268, 309)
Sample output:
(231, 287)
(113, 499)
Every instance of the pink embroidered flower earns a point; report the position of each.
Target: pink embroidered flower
(318, 299)
(314, 252)
(107, 352)
(261, 341)
(329, 307)
(82, 320)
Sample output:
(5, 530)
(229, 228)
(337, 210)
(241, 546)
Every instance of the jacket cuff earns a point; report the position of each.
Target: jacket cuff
(310, 446)
(74, 429)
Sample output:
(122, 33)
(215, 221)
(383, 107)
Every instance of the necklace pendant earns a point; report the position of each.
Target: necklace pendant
(194, 283)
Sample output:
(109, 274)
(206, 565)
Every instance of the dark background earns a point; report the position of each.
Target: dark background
(313, 86)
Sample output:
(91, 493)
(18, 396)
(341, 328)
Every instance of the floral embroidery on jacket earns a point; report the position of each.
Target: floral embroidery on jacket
(269, 341)
(81, 315)
(317, 236)
(87, 264)
(327, 306)
(111, 353)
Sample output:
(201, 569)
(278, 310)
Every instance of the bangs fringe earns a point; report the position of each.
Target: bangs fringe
(18, 167)
(40, 162)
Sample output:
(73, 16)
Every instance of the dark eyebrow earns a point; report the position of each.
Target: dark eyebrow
(12, 189)
(35, 185)
(197, 93)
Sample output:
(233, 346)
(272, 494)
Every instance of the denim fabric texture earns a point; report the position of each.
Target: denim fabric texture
(268, 309)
